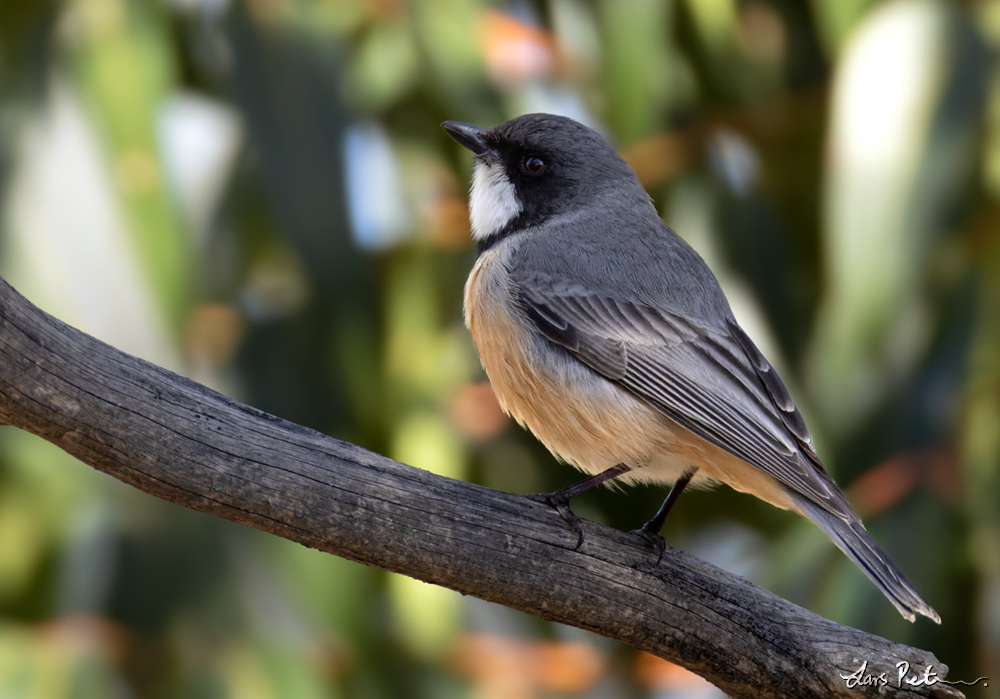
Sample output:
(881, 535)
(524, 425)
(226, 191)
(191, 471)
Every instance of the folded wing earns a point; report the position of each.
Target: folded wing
(701, 378)
(716, 383)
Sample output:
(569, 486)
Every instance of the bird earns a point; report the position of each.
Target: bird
(608, 337)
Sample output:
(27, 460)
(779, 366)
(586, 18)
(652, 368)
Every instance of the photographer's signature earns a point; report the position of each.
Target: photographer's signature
(862, 678)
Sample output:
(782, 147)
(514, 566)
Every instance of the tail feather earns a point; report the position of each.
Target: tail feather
(849, 534)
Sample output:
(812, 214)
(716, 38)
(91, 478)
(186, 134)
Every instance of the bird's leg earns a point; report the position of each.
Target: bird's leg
(559, 500)
(650, 531)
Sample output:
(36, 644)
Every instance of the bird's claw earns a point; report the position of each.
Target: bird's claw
(652, 538)
(561, 505)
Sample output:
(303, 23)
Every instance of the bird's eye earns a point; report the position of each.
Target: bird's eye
(533, 165)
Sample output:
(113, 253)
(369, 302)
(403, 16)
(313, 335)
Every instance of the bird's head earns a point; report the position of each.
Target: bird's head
(538, 166)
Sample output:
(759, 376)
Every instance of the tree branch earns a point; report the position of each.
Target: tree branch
(182, 442)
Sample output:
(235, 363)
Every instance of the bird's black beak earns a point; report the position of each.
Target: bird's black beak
(470, 136)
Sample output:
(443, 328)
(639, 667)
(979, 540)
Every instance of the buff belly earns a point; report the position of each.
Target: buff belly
(581, 417)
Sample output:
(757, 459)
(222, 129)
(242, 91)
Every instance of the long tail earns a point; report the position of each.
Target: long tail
(848, 533)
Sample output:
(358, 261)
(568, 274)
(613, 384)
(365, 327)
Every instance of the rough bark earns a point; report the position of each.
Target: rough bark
(182, 442)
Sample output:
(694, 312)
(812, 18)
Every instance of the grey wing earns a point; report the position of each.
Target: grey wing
(714, 382)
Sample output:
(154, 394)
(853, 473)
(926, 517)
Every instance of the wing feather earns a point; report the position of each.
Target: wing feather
(713, 381)
(706, 376)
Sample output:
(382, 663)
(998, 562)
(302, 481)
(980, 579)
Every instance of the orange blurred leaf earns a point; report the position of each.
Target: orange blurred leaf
(510, 667)
(659, 674)
(475, 411)
(515, 51)
(893, 479)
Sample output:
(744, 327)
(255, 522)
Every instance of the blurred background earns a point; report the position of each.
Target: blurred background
(258, 195)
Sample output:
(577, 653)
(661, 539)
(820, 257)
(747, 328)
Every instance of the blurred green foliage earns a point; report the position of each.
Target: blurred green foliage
(257, 194)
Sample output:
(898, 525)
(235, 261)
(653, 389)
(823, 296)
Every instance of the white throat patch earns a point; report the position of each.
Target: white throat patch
(492, 203)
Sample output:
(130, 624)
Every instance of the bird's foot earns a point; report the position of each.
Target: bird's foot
(650, 531)
(652, 537)
(560, 503)
(559, 500)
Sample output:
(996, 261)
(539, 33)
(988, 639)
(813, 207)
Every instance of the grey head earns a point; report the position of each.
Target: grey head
(538, 166)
